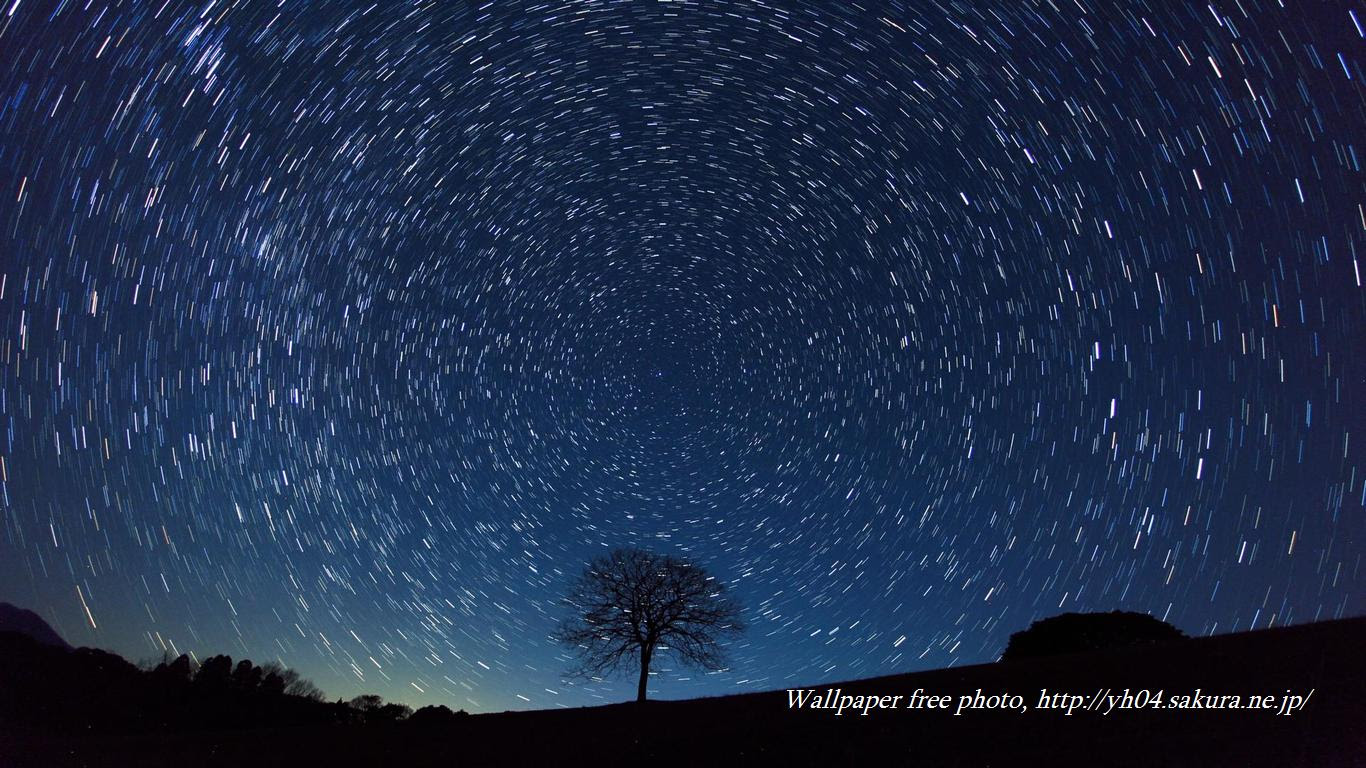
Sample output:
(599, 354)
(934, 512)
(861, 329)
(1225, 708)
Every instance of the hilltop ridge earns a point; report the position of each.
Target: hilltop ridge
(1090, 708)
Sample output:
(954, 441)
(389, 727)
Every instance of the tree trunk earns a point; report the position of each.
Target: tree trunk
(644, 673)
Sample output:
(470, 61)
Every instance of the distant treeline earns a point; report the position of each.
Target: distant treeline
(95, 690)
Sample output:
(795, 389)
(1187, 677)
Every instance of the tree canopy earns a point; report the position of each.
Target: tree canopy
(1078, 632)
(631, 604)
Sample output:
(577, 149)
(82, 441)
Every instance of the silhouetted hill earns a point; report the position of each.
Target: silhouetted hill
(1322, 663)
(26, 622)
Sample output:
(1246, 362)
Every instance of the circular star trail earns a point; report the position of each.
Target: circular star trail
(344, 335)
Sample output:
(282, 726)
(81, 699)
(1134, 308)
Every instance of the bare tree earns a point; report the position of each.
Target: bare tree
(632, 604)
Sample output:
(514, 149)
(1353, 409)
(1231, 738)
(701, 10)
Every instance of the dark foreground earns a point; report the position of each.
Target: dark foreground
(1324, 662)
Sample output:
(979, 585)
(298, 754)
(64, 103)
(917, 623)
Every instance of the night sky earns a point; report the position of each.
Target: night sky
(344, 334)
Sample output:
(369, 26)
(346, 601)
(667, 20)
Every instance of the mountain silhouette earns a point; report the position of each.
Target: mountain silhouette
(27, 623)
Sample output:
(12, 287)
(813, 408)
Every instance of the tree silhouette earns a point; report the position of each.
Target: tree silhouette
(1080, 632)
(215, 672)
(92, 692)
(436, 716)
(173, 673)
(632, 604)
(373, 709)
(246, 676)
(367, 703)
(304, 688)
(274, 679)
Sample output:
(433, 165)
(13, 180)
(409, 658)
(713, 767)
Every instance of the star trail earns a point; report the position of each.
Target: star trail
(344, 334)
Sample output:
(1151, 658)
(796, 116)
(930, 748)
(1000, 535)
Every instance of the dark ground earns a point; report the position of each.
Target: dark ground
(1327, 658)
